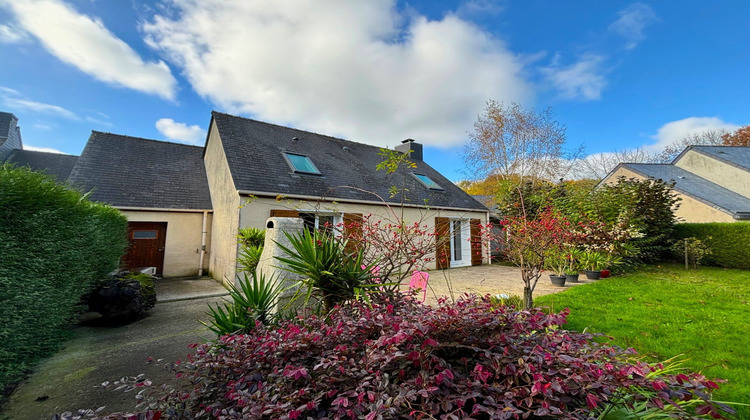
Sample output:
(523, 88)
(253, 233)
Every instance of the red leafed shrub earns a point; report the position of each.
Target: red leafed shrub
(405, 360)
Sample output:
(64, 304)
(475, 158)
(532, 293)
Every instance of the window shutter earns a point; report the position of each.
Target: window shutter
(442, 243)
(353, 232)
(284, 213)
(476, 242)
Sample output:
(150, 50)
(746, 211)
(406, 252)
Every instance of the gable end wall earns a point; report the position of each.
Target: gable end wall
(716, 171)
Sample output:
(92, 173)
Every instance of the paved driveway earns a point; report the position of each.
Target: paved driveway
(484, 279)
(97, 352)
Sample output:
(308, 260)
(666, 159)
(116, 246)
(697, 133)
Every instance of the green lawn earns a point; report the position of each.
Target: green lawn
(663, 311)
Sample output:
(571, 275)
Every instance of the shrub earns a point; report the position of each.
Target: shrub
(328, 271)
(251, 242)
(54, 245)
(400, 359)
(692, 250)
(253, 302)
(727, 242)
(124, 295)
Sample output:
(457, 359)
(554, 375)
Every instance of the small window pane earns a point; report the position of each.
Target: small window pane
(429, 183)
(302, 163)
(144, 234)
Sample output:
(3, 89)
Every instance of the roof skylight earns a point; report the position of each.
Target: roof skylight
(428, 182)
(301, 163)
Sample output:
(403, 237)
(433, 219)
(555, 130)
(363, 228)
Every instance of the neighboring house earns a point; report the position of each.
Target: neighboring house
(185, 204)
(713, 182)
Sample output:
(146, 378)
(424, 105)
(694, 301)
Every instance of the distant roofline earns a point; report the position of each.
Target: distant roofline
(711, 155)
(300, 130)
(143, 138)
(680, 190)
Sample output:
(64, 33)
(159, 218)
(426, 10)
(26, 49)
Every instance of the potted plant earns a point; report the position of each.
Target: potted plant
(574, 265)
(610, 261)
(556, 262)
(593, 262)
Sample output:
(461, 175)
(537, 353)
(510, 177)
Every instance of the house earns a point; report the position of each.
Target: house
(185, 204)
(713, 182)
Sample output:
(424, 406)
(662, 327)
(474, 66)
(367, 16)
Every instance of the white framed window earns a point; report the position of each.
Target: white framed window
(322, 221)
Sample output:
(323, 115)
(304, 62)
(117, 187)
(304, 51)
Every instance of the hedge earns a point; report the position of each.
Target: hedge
(729, 242)
(54, 246)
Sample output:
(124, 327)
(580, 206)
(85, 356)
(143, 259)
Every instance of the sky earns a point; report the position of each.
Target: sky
(617, 74)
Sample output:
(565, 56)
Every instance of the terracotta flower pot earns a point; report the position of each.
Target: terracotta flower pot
(605, 274)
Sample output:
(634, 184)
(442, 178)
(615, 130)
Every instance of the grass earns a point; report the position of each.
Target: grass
(664, 311)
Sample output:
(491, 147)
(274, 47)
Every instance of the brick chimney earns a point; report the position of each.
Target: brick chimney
(410, 144)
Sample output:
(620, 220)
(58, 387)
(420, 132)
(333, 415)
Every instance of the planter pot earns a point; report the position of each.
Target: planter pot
(571, 278)
(605, 274)
(558, 281)
(593, 275)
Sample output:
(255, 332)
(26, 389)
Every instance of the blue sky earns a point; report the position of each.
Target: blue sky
(618, 74)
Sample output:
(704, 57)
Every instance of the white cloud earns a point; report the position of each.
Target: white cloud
(583, 79)
(99, 121)
(480, 7)
(191, 134)
(358, 69)
(675, 131)
(12, 35)
(40, 107)
(85, 43)
(633, 20)
(40, 126)
(42, 149)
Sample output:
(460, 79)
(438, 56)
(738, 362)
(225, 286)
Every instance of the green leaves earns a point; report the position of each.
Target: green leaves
(328, 271)
(255, 300)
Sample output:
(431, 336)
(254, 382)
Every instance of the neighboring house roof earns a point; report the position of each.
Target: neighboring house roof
(128, 171)
(738, 156)
(694, 186)
(55, 164)
(254, 152)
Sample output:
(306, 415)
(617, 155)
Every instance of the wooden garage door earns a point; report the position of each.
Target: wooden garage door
(146, 249)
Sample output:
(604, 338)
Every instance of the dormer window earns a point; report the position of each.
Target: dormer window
(301, 163)
(428, 182)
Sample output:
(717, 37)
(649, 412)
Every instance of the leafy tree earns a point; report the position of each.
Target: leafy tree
(510, 140)
(740, 137)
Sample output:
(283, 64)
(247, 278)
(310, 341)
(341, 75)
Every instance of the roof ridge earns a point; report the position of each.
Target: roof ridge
(297, 129)
(145, 139)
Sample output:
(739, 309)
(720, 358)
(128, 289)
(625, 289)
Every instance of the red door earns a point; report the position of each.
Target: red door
(147, 240)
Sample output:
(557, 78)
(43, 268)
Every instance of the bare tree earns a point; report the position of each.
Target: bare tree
(703, 138)
(511, 140)
(597, 166)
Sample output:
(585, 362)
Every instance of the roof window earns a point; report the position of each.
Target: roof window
(428, 182)
(301, 163)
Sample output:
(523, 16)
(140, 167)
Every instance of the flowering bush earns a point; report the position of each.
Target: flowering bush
(394, 246)
(400, 359)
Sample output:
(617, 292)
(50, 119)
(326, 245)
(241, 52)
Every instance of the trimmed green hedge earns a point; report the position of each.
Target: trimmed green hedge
(729, 242)
(54, 246)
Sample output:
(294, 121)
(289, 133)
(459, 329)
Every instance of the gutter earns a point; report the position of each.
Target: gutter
(353, 201)
(163, 209)
(203, 244)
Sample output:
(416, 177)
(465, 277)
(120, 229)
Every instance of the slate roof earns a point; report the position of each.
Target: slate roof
(55, 164)
(254, 151)
(738, 156)
(694, 186)
(133, 172)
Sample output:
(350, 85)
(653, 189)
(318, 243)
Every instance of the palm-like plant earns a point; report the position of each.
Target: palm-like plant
(328, 271)
(254, 300)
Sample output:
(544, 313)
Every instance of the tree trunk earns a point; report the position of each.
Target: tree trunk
(528, 300)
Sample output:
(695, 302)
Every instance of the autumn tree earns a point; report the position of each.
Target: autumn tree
(702, 138)
(740, 137)
(510, 140)
(597, 166)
